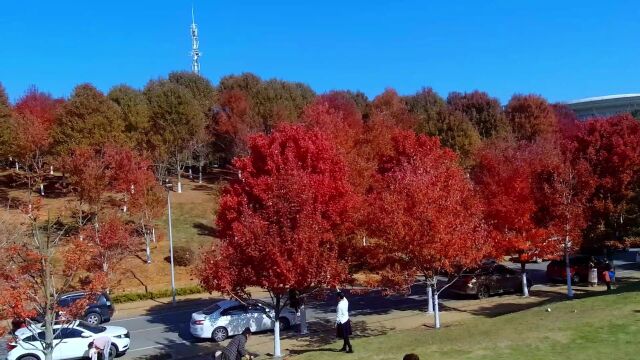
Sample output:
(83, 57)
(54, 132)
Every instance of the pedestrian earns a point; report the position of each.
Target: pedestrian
(100, 348)
(343, 324)
(235, 350)
(593, 272)
(411, 357)
(606, 275)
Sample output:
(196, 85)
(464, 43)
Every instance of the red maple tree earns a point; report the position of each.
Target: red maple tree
(281, 223)
(424, 213)
(611, 148)
(33, 121)
(38, 265)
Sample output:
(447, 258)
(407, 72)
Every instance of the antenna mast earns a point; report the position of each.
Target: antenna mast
(195, 52)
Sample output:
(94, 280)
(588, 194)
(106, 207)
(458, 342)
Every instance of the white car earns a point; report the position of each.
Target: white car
(230, 317)
(71, 341)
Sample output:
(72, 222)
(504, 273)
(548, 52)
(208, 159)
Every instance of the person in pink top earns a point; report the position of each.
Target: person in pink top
(101, 344)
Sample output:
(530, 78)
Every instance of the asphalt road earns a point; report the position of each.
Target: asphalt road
(169, 331)
(159, 332)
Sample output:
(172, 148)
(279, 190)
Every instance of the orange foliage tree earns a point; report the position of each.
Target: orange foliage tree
(280, 224)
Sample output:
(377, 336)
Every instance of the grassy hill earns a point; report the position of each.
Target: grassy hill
(595, 327)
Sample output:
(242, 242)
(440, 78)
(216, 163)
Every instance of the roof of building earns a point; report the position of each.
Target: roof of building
(604, 98)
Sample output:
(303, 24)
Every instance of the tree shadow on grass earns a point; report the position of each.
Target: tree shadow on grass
(205, 230)
(322, 333)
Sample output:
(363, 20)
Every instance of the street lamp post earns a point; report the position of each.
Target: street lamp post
(173, 280)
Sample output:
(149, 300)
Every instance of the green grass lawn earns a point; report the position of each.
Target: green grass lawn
(597, 327)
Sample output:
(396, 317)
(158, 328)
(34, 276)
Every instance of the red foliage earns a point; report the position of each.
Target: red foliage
(567, 120)
(424, 212)
(281, 223)
(39, 105)
(113, 240)
(35, 115)
(530, 117)
(390, 108)
(505, 174)
(611, 147)
(234, 122)
(92, 172)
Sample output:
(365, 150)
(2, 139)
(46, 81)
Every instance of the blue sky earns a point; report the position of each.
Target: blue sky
(561, 49)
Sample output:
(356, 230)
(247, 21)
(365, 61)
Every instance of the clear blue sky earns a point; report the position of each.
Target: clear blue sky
(560, 49)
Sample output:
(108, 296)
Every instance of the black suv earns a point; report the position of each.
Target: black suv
(99, 311)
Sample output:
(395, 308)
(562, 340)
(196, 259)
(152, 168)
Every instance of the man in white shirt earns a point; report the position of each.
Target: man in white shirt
(343, 324)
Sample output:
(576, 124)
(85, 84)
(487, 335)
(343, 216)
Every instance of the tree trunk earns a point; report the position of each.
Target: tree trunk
(50, 170)
(430, 297)
(199, 173)
(303, 320)
(179, 183)
(42, 189)
(568, 267)
(436, 310)
(276, 329)
(190, 173)
(153, 234)
(525, 288)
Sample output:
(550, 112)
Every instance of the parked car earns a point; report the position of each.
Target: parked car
(229, 317)
(71, 341)
(488, 279)
(579, 267)
(99, 311)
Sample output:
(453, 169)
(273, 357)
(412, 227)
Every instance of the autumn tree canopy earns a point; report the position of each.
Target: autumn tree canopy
(432, 219)
(484, 112)
(88, 118)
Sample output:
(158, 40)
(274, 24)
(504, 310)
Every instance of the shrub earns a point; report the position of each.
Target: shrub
(183, 256)
(130, 297)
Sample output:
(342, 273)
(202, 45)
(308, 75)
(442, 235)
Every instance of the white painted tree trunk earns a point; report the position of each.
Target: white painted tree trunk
(568, 268)
(190, 174)
(276, 340)
(525, 288)
(50, 170)
(153, 234)
(124, 208)
(303, 320)
(430, 297)
(17, 169)
(146, 238)
(42, 189)
(436, 310)
(200, 174)
(179, 187)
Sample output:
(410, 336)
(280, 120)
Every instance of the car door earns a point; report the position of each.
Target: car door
(236, 319)
(258, 319)
(501, 278)
(70, 343)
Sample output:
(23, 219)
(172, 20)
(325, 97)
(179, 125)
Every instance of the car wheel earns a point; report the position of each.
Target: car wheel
(29, 357)
(285, 324)
(219, 334)
(93, 318)
(575, 279)
(483, 292)
(113, 352)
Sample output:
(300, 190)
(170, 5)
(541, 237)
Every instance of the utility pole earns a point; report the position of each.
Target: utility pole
(173, 280)
(195, 44)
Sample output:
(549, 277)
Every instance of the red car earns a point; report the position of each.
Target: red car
(579, 267)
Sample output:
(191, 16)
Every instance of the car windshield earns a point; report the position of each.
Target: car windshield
(91, 328)
(210, 309)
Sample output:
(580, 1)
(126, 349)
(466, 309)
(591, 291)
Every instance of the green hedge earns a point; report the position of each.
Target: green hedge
(130, 297)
